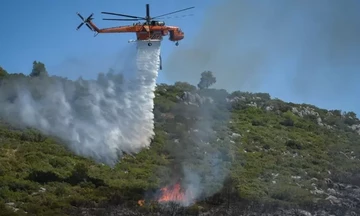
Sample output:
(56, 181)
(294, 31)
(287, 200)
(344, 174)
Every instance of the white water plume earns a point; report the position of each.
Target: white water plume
(100, 118)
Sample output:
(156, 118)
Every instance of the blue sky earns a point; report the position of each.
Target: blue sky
(295, 50)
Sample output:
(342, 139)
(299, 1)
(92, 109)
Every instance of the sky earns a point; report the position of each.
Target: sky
(299, 51)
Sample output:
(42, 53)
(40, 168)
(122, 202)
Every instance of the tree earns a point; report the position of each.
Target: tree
(348, 114)
(207, 79)
(3, 72)
(350, 118)
(38, 70)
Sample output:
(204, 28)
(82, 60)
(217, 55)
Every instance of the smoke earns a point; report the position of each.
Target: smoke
(201, 144)
(292, 48)
(212, 146)
(100, 118)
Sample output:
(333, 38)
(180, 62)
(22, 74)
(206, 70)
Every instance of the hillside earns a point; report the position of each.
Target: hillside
(244, 149)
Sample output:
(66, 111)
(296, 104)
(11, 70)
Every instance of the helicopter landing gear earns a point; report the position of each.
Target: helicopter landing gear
(149, 44)
(177, 43)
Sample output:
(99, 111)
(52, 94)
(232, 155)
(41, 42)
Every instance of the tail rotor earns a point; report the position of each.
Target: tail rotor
(85, 21)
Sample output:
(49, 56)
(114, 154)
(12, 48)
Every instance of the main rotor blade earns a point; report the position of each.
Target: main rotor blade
(124, 15)
(175, 17)
(173, 12)
(147, 11)
(124, 19)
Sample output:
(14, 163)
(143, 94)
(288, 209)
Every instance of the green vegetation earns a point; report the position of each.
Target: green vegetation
(275, 149)
(38, 70)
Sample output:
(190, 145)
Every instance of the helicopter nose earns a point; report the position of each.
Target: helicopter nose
(179, 36)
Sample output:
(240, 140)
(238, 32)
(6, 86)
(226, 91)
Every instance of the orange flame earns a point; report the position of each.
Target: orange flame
(172, 194)
(141, 202)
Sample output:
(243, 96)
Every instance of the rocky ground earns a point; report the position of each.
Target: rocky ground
(224, 210)
(338, 200)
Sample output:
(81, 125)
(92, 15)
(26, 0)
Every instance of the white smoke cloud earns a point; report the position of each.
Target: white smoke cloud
(99, 118)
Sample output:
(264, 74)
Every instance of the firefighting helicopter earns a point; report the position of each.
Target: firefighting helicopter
(150, 30)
